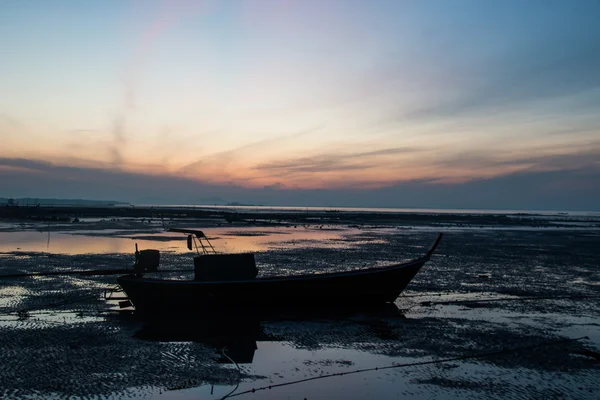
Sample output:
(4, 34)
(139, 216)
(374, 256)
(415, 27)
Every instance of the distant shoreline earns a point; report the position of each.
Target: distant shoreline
(75, 204)
(293, 216)
(393, 210)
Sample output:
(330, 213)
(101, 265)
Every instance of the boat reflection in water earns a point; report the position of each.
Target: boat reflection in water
(234, 336)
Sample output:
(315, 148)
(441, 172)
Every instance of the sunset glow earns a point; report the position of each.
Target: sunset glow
(301, 94)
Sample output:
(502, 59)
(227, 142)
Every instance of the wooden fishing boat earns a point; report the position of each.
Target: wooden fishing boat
(228, 281)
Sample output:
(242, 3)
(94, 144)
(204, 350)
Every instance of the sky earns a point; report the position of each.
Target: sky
(443, 104)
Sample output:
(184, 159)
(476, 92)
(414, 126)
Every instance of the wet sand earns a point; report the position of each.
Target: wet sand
(490, 286)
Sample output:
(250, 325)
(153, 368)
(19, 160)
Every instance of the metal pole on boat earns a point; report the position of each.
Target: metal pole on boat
(210, 244)
(196, 244)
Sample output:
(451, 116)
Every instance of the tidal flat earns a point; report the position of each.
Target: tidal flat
(508, 307)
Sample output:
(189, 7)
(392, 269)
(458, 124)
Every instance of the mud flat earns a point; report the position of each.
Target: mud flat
(101, 217)
(517, 290)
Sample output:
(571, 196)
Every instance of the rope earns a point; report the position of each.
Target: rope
(239, 374)
(419, 363)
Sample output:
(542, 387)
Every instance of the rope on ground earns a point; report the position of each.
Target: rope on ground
(239, 374)
(414, 364)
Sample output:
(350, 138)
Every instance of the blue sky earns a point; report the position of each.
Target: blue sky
(274, 101)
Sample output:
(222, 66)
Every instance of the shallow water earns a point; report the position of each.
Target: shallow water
(236, 240)
(61, 336)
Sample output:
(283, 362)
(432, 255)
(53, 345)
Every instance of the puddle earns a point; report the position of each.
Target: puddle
(116, 241)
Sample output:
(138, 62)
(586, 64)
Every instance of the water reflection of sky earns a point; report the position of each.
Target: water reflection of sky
(283, 362)
(66, 243)
(111, 241)
(306, 368)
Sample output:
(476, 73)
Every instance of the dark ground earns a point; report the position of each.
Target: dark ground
(61, 338)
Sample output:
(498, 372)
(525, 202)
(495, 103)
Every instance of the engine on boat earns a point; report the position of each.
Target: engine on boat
(224, 267)
(147, 260)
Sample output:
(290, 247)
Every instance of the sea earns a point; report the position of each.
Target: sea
(368, 210)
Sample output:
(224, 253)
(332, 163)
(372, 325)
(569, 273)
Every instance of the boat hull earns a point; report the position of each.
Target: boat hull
(363, 287)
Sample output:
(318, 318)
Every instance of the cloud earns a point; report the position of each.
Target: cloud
(472, 64)
(573, 189)
(224, 157)
(45, 179)
(10, 122)
(24, 163)
(331, 162)
(576, 189)
(540, 158)
(275, 186)
(80, 131)
(12, 130)
(119, 139)
(536, 73)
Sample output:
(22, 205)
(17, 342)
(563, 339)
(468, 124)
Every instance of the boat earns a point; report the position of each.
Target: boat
(229, 281)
